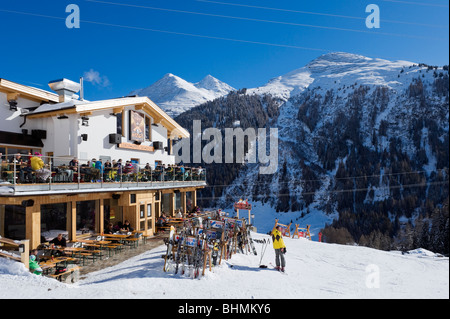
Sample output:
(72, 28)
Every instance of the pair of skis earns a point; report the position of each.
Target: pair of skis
(277, 269)
(169, 254)
(250, 240)
(181, 256)
(197, 256)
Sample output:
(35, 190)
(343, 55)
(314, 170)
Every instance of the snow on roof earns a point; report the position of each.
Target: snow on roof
(58, 106)
(5, 188)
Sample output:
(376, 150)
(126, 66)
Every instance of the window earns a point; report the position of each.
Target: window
(86, 217)
(13, 224)
(8, 152)
(53, 220)
(113, 213)
(148, 130)
(142, 211)
(189, 201)
(177, 200)
(166, 205)
(149, 210)
(119, 117)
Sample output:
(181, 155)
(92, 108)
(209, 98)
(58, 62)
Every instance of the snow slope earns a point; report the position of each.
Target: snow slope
(314, 270)
(381, 100)
(175, 95)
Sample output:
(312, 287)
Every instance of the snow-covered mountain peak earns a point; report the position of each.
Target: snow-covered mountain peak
(334, 70)
(176, 95)
(171, 77)
(210, 83)
(340, 57)
(334, 62)
(341, 62)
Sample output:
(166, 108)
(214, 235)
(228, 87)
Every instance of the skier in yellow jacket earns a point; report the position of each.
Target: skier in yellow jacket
(280, 248)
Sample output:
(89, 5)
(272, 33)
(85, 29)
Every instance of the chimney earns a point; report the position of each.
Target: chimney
(65, 88)
(82, 89)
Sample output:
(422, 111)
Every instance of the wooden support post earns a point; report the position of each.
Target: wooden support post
(223, 252)
(183, 203)
(33, 225)
(2, 220)
(194, 198)
(206, 256)
(172, 205)
(25, 256)
(73, 220)
(101, 216)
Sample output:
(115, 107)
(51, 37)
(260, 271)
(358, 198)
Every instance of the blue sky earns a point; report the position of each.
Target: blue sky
(125, 45)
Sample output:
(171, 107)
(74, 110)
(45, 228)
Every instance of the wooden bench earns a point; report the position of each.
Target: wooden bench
(68, 272)
(146, 237)
(132, 242)
(84, 255)
(113, 247)
(93, 254)
(162, 228)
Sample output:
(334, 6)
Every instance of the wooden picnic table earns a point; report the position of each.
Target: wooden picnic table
(94, 242)
(74, 250)
(131, 240)
(52, 251)
(118, 236)
(79, 252)
(55, 261)
(175, 221)
(47, 267)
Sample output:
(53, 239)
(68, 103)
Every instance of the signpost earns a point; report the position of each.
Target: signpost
(244, 205)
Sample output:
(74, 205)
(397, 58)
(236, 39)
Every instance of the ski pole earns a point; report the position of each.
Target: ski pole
(262, 249)
(265, 247)
(263, 252)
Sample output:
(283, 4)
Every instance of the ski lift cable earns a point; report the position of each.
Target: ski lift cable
(261, 20)
(321, 14)
(339, 191)
(342, 178)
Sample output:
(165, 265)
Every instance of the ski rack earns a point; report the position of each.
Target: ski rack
(198, 243)
(302, 232)
(285, 229)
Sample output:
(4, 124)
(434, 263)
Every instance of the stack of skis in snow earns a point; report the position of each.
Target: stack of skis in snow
(205, 241)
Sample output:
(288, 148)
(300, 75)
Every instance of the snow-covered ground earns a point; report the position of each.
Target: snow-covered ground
(314, 270)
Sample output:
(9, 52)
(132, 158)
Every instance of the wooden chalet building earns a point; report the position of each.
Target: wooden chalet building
(61, 126)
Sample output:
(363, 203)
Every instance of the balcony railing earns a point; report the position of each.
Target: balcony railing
(57, 174)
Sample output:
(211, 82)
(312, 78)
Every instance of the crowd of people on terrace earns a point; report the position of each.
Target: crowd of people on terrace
(31, 168)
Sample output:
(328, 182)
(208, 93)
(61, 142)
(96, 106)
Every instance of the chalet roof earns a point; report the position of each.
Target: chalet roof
(116, 106)
(28, 91)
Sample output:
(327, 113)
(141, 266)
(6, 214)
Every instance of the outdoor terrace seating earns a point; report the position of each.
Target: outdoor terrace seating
(19, 174)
